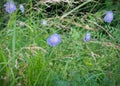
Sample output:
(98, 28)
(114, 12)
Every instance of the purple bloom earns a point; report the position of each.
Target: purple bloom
(108, 17)
(54, 40)
(10, 7)
(21, 8)
(87, 37)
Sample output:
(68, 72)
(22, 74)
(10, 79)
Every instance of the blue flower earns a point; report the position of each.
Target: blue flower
(44, 22)
(10, 7)
(108, 17)
(21, 8)
(87, 37)
(54, 40)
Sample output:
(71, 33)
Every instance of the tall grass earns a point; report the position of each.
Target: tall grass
(27, 60)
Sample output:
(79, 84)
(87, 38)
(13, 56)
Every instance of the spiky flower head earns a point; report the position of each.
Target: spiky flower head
(43, 22)
(10, 7)
(108, 17)
(87, 37)
(54, 40)
(21, 8)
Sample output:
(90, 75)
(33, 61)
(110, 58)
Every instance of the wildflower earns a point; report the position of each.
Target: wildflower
(44, 22)
(54, 40)
(87, 37)
(10, 7)
(108, 17)
(21, 8)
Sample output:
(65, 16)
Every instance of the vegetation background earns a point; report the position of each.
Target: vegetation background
(27, 60)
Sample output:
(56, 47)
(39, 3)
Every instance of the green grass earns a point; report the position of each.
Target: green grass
(27, 60)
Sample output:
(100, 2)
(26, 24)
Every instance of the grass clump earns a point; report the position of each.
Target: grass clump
(27, 60)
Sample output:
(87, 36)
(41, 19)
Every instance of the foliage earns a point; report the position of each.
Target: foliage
(27, 60)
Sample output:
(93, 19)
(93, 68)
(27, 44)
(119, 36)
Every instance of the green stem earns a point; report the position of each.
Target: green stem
(76, 8)
(13, 43)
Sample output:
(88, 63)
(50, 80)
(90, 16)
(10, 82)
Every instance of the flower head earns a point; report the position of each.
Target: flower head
(87, 37)
(21, 8)
(54, 40)
(44, 22)
(10, 7)
(108, 17)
